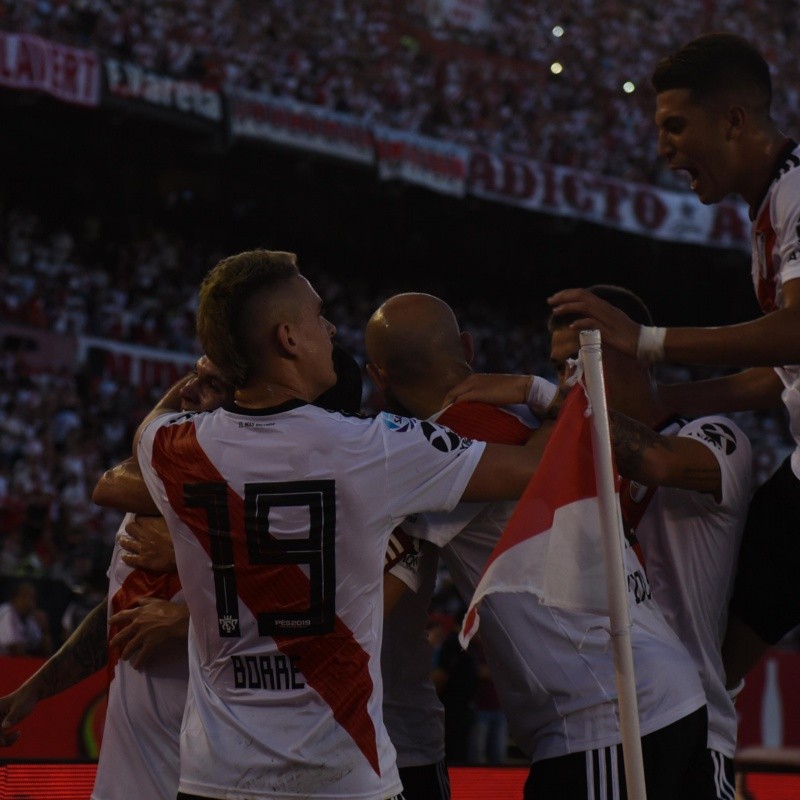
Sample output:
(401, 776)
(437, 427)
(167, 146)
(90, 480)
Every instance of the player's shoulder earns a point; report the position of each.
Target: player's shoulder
(785, 186)
(719, 433)
(166, 420)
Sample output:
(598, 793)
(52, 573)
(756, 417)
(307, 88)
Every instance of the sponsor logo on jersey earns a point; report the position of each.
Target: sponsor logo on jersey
(638, 586)
(717, 435)
(249, 424)
(444, 439)
(411, 560)
(398, 424)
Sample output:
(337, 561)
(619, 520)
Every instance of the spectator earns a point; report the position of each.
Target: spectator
(24, 628)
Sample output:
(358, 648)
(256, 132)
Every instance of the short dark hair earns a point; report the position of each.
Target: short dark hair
(345, 394)
(617, 296)
(714, 64)
(225, 297)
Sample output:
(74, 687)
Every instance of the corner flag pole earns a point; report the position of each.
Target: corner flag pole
(616, 583)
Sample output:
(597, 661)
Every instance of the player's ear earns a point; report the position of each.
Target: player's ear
(735, 118)
(468, 346)
(285, 337)
(377, 376)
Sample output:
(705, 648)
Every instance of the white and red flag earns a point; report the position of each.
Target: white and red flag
(552, 545)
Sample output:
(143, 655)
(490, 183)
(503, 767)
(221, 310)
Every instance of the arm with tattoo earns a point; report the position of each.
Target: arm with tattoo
(80, 656)
(644, 455)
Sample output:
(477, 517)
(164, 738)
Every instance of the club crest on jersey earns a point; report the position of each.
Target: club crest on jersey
(228, 625)
(636, 491)
(717, 435)
(398, 424)
(444, 439)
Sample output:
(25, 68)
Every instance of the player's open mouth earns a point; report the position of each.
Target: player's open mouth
(692, 173)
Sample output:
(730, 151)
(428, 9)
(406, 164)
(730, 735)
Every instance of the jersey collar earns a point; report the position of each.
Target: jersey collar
(289, 405)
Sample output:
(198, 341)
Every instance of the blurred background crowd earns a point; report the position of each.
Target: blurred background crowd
(561, 83)
(108, 222)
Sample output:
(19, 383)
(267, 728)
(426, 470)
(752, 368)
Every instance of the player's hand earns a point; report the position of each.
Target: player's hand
(14, 708)
(146, 627)
(497, 389)
(616, 328)
(147, 545)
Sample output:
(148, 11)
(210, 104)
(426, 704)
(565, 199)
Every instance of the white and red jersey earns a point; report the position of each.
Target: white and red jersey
(776, 261)
(690, 544)
(280, 520)
(412, 710)
(140, 753)
(553, 668)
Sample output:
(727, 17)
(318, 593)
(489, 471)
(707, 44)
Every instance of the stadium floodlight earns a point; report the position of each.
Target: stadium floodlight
(558, 31)
(556, 68)
(628, 87)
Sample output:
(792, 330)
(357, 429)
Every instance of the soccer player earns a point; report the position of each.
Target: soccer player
(553, 668)
(280, 514)
(689, 517)
(146, 621)
(713, 118)
(412, 711)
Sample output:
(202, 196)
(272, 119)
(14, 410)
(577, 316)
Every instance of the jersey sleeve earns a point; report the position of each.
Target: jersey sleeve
(144, 455)
(403, 557)
(438, 527)
(428, 466)
(731, 448)
(786, 213)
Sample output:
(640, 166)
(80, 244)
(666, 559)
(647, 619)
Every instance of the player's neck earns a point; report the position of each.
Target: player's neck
(267, 395)
(428, 397)
(760, 163)
(641, 402)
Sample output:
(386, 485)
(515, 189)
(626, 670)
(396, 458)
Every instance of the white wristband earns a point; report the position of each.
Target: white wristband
(651, 343)
(540, 395)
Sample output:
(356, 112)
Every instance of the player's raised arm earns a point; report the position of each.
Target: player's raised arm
(770, 340)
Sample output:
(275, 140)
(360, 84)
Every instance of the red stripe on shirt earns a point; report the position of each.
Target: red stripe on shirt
(766, 282)
(137, 584)
(334, 664)
(485, 422)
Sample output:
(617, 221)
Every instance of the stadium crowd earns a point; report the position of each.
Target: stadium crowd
(485, 81)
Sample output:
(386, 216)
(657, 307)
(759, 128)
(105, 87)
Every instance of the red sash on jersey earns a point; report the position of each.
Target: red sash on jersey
(766, 280)
(485, 422)
(634, 499)
(138, 584)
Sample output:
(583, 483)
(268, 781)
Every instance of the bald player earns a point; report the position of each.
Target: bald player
(553, 668)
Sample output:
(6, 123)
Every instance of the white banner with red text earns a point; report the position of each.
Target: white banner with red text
(34, 64)
(632, 207)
